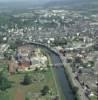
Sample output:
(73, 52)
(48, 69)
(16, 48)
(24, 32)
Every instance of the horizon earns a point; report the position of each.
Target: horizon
(37, 1)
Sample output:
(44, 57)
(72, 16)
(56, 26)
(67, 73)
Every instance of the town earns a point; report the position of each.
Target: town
(26, 68)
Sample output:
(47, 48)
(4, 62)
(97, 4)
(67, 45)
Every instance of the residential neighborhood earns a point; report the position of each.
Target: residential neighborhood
(49, 51)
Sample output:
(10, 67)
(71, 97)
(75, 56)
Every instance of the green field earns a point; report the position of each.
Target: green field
(19, 91)
(93, 98)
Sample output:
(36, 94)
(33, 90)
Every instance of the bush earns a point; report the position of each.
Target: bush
(4, 82)
(27, 80)
(45, 90)
(75, 90)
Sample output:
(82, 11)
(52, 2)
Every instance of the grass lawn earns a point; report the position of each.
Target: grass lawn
(93, 98)
(19, 91)
(2, 66)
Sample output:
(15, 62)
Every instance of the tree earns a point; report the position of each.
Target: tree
(27, 98)
(4, 82)
(75, 89)
(92, 63)
(7, 55)
(27, 79)
(77, 60)
(13, 46)
(45, 90)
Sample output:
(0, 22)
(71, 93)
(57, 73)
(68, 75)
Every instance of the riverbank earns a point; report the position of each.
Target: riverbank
(61, 76)
(58, 89)
(75, 85)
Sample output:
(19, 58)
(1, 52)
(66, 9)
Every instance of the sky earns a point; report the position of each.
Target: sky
(27, 0)
(35, 2)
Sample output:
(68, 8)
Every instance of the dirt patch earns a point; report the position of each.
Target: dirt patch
(19, 95)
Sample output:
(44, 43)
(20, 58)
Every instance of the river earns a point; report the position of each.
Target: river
(60, 73)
